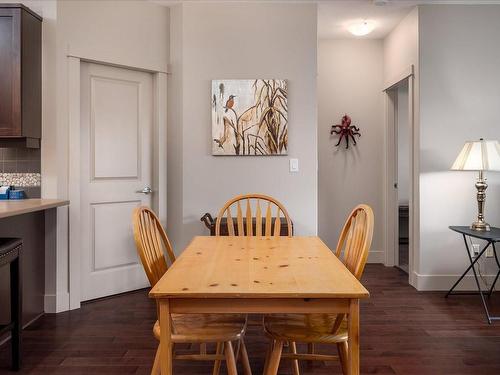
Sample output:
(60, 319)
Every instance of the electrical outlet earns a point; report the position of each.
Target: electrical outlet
(475, 250)
(489, 252)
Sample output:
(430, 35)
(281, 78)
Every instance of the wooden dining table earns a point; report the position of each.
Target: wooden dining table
(262, 275)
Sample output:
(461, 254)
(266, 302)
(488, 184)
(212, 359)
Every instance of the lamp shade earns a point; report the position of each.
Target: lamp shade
(478, 156)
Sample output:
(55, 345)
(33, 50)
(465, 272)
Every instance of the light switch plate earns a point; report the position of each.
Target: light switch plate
(294, 165)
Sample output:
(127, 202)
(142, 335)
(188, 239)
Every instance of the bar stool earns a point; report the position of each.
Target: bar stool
(10, 253)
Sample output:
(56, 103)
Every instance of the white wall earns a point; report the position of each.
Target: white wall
(221, 41)
(459, 83)
(133, 32)
(401, 48)
(350, 82)
(175, 228)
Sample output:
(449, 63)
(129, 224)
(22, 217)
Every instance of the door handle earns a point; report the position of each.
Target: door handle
(147, 190)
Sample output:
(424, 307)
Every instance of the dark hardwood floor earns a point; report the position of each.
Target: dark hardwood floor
(402, 332)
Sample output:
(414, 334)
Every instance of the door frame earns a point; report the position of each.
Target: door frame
(391, 206)
(159, 180)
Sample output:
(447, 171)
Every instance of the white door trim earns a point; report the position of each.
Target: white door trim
(74, 181)
(408, 72)
(89, 55)
(159, 157)
(391, 255)
(391, 196)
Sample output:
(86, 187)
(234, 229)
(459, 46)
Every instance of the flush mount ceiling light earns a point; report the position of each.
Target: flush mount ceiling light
(361, 28)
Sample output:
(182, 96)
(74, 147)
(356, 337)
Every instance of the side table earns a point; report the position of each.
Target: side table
(491, 237)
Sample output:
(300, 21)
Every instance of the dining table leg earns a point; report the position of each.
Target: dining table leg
(353, 337)
(166, 356)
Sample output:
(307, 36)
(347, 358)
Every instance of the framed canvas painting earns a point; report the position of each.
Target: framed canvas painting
(249, 117)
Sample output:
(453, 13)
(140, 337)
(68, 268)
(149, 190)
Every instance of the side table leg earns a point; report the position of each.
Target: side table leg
(477, 281)
(472, 263)
(493, 284)
(498, 264)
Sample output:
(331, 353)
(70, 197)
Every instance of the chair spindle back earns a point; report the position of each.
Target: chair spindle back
(355, 239)
(152, 243)
(270, 206)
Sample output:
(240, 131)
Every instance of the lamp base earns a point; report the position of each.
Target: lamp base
(480, 226)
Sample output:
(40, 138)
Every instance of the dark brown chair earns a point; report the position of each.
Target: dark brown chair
(10, 253)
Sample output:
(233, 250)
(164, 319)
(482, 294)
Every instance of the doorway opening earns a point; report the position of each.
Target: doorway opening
(402, 130)
(400, 202)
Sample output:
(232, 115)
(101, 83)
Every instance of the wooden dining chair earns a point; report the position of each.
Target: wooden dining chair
(264, 225)
(352, 248)
(152, 245)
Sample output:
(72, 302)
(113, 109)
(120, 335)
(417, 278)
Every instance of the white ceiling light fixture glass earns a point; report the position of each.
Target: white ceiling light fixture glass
(361, 28)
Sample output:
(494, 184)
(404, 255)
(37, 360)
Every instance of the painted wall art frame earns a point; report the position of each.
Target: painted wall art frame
(249, 117)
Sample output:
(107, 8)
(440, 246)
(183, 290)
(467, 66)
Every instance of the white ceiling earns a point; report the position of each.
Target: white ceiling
(335, 15)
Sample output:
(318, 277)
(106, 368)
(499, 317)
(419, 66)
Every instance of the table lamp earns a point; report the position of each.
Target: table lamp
(479, 156)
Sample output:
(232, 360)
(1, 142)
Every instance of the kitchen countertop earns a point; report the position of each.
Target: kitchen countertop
(23, 206)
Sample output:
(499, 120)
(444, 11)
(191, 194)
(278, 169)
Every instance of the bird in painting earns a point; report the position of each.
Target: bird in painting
(225, 135)
(230, 103)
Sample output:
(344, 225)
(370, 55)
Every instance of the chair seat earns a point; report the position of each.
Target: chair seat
(309, 328)
(9, 249)
(9, 244)
(193, 328)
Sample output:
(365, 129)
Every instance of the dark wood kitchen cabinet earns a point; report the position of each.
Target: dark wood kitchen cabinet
(20, 76)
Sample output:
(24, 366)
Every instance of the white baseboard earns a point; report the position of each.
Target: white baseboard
(56, 303)
(376, 256)
(445, 282)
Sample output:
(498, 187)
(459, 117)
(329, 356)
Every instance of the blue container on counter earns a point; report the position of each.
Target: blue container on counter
(4, 192)
(17, 194)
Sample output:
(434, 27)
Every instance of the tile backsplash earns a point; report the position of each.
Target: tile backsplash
(20, 179)
(20, 160)
(21, 167)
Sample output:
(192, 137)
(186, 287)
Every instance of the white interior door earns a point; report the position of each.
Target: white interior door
(116, 167)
